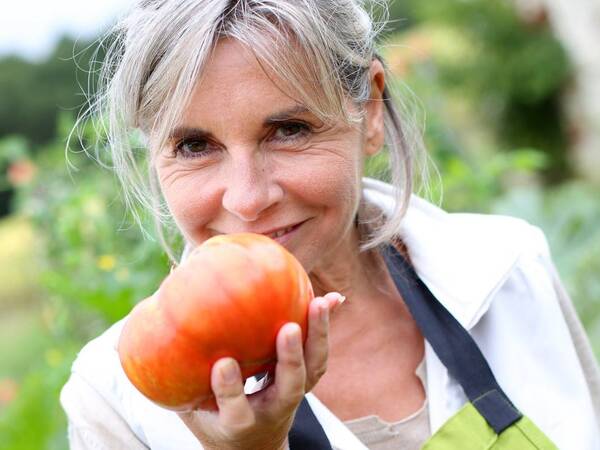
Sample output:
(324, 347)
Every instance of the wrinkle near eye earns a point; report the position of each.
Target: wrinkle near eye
(172, 170)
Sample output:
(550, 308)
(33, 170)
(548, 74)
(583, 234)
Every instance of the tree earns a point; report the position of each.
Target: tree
(575, 22)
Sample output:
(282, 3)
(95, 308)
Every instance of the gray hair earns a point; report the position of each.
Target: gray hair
(161, 47)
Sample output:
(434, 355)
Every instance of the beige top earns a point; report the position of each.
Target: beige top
(408, 434)
(94, 425)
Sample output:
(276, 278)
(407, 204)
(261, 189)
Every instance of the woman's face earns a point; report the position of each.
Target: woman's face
(248, 158)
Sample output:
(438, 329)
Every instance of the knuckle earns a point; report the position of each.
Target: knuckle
(294, 397)
(296, 363)
(320, 371)
(227, 394)
(324, 331)
(297, 397)
(242, 426)
(321, 331)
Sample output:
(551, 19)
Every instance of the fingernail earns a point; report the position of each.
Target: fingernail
(293, 339)
(340, 299)
(229, 372)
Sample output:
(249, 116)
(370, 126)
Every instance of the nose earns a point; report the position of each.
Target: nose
(250, 187)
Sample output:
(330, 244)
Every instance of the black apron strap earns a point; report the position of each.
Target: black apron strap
(306, 432)
(453, 345)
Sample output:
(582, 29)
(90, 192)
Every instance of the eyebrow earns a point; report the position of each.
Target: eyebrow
(281, 116)
(286, 114)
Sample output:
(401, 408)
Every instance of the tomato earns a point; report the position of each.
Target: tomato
(230, 297)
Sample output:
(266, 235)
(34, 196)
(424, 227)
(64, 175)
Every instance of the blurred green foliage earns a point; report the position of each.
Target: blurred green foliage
(570, 217)
(511, 68)
(35, 93)
(95, 265)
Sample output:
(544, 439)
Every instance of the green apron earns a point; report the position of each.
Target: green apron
(489, 420)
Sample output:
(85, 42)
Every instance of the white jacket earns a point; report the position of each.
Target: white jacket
(493, 273)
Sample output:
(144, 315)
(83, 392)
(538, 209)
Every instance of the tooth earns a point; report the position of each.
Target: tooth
(280, 233)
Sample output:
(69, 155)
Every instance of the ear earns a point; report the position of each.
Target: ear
(373, 127)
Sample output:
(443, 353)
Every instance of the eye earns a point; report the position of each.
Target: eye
(290, 131)
(192, 148)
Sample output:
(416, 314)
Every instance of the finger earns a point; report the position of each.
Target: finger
(316, 347)
(290, 372)
(228, 387)
(334, 300)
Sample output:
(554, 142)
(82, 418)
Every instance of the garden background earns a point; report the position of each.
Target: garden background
(503, 89)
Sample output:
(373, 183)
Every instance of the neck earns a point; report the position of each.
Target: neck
(348, 271)
(371, 296)
(344, 270)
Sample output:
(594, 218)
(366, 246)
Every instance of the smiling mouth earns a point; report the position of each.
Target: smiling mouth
(281, 232)
(277, 233)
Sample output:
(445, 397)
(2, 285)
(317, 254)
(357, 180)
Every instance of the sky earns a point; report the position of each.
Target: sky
(31, 28)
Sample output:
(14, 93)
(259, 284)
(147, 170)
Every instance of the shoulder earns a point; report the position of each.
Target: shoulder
(432, 231)
(93, 422)
(97, 368)
(97, 379)
(98, 360)
(466, 258)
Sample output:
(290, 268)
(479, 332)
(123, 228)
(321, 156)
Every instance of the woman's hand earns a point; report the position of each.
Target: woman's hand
(263, 419)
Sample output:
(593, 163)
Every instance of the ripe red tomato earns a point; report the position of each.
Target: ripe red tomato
(229, 298)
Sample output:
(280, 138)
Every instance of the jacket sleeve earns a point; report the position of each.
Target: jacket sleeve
(581, 342)
(92, 423)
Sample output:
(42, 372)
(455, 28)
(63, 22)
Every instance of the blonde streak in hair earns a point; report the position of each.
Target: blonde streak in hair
(123, 91)
(169, 115)
(159, 223)
(284, 60)
(200, 45)
(166, 104)
(120, 114)
(402, 148)
(318, 69)
(281, 58)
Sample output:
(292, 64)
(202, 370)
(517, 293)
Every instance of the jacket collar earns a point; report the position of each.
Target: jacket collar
(462, 258)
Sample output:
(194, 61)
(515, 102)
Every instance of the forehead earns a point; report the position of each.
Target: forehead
(233, 77)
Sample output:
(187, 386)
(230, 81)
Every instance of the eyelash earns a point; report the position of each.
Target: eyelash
(179, 150)
(304, 130)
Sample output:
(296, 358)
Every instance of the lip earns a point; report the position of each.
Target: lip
(273, 230)
(281, 239)
(284, 239)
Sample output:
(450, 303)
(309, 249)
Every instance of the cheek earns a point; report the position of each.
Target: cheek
(333, 183)
(191, 201)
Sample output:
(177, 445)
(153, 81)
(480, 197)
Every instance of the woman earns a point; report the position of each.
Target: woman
(258, 117)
